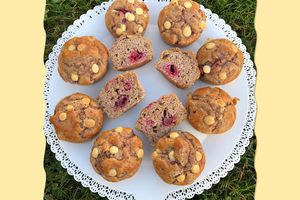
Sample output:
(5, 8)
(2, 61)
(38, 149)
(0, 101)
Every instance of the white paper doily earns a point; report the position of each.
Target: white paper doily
(55, 88)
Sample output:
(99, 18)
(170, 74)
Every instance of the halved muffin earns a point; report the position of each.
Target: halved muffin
(120, 94)
(130, 51)
(179, 67)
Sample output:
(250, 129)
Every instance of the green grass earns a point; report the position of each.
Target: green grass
(240, 182)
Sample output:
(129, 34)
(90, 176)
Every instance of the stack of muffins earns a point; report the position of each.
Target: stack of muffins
(178, 156)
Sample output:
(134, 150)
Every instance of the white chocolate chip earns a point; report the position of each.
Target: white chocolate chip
(112, 172)
(180, 178)
(210, 45)
(171, 155)
(206, 69)
(158, 150)
(141, 29)
(119, 129)
(154, 155)
(71, 47)
(95, 152)
(221, 103)
(174, 135)
(69, 107)
(187, 31)
(74, 77)
(195, 169)
(187, 4)
(198, 156)
(140, 153)
(130, 17)
(167, 24)
(131, 1)
(113, 149)
(119, 31)
(62, 116)
(223, 75)
(95, 68)
(85, 101)
(139, 11)
(123, 27)
(209, 120)
(89, 123)
(81, 47)
(202, 25)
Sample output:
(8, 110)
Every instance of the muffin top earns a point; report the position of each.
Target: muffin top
(181, 22)
(178, 158)
(211, 110)
(127, 17)
(220, 61)
(83, 60)
(117, 154)
(77, 118)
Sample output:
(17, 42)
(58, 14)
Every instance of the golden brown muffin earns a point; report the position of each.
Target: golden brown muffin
(211, 110)
(83, 60)
(127, 17)
(181, 22)
(220, 61)
(117, 154)
(77, 118)
(178, 158)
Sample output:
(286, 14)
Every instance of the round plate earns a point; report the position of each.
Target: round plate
(222, 151)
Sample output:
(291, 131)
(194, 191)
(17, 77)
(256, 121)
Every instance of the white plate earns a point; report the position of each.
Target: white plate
(222, 151)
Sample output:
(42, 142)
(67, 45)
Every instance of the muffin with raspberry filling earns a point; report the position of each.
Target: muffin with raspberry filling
(179, 67)
(160, 116)
(130, 51)
(120, 94)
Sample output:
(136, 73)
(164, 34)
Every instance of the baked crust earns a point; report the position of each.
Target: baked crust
(83, 60)
(211, 110)
(117, 154)
(77, 118)
(118, 24)
(224, 60)
(181, 25)
(178, 158)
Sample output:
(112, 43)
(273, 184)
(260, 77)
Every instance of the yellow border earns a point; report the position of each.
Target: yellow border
(22, 106)
(277, 92)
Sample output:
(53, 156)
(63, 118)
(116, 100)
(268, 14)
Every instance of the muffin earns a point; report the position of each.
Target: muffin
(178, 158)
(160, 116)
(181, 22)
(211, 110)
(130, 51)
(179, 67)
(120, 94)
(127, 17)
(77, 118)
(220, 61)
(117, 154)
(83, 60)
